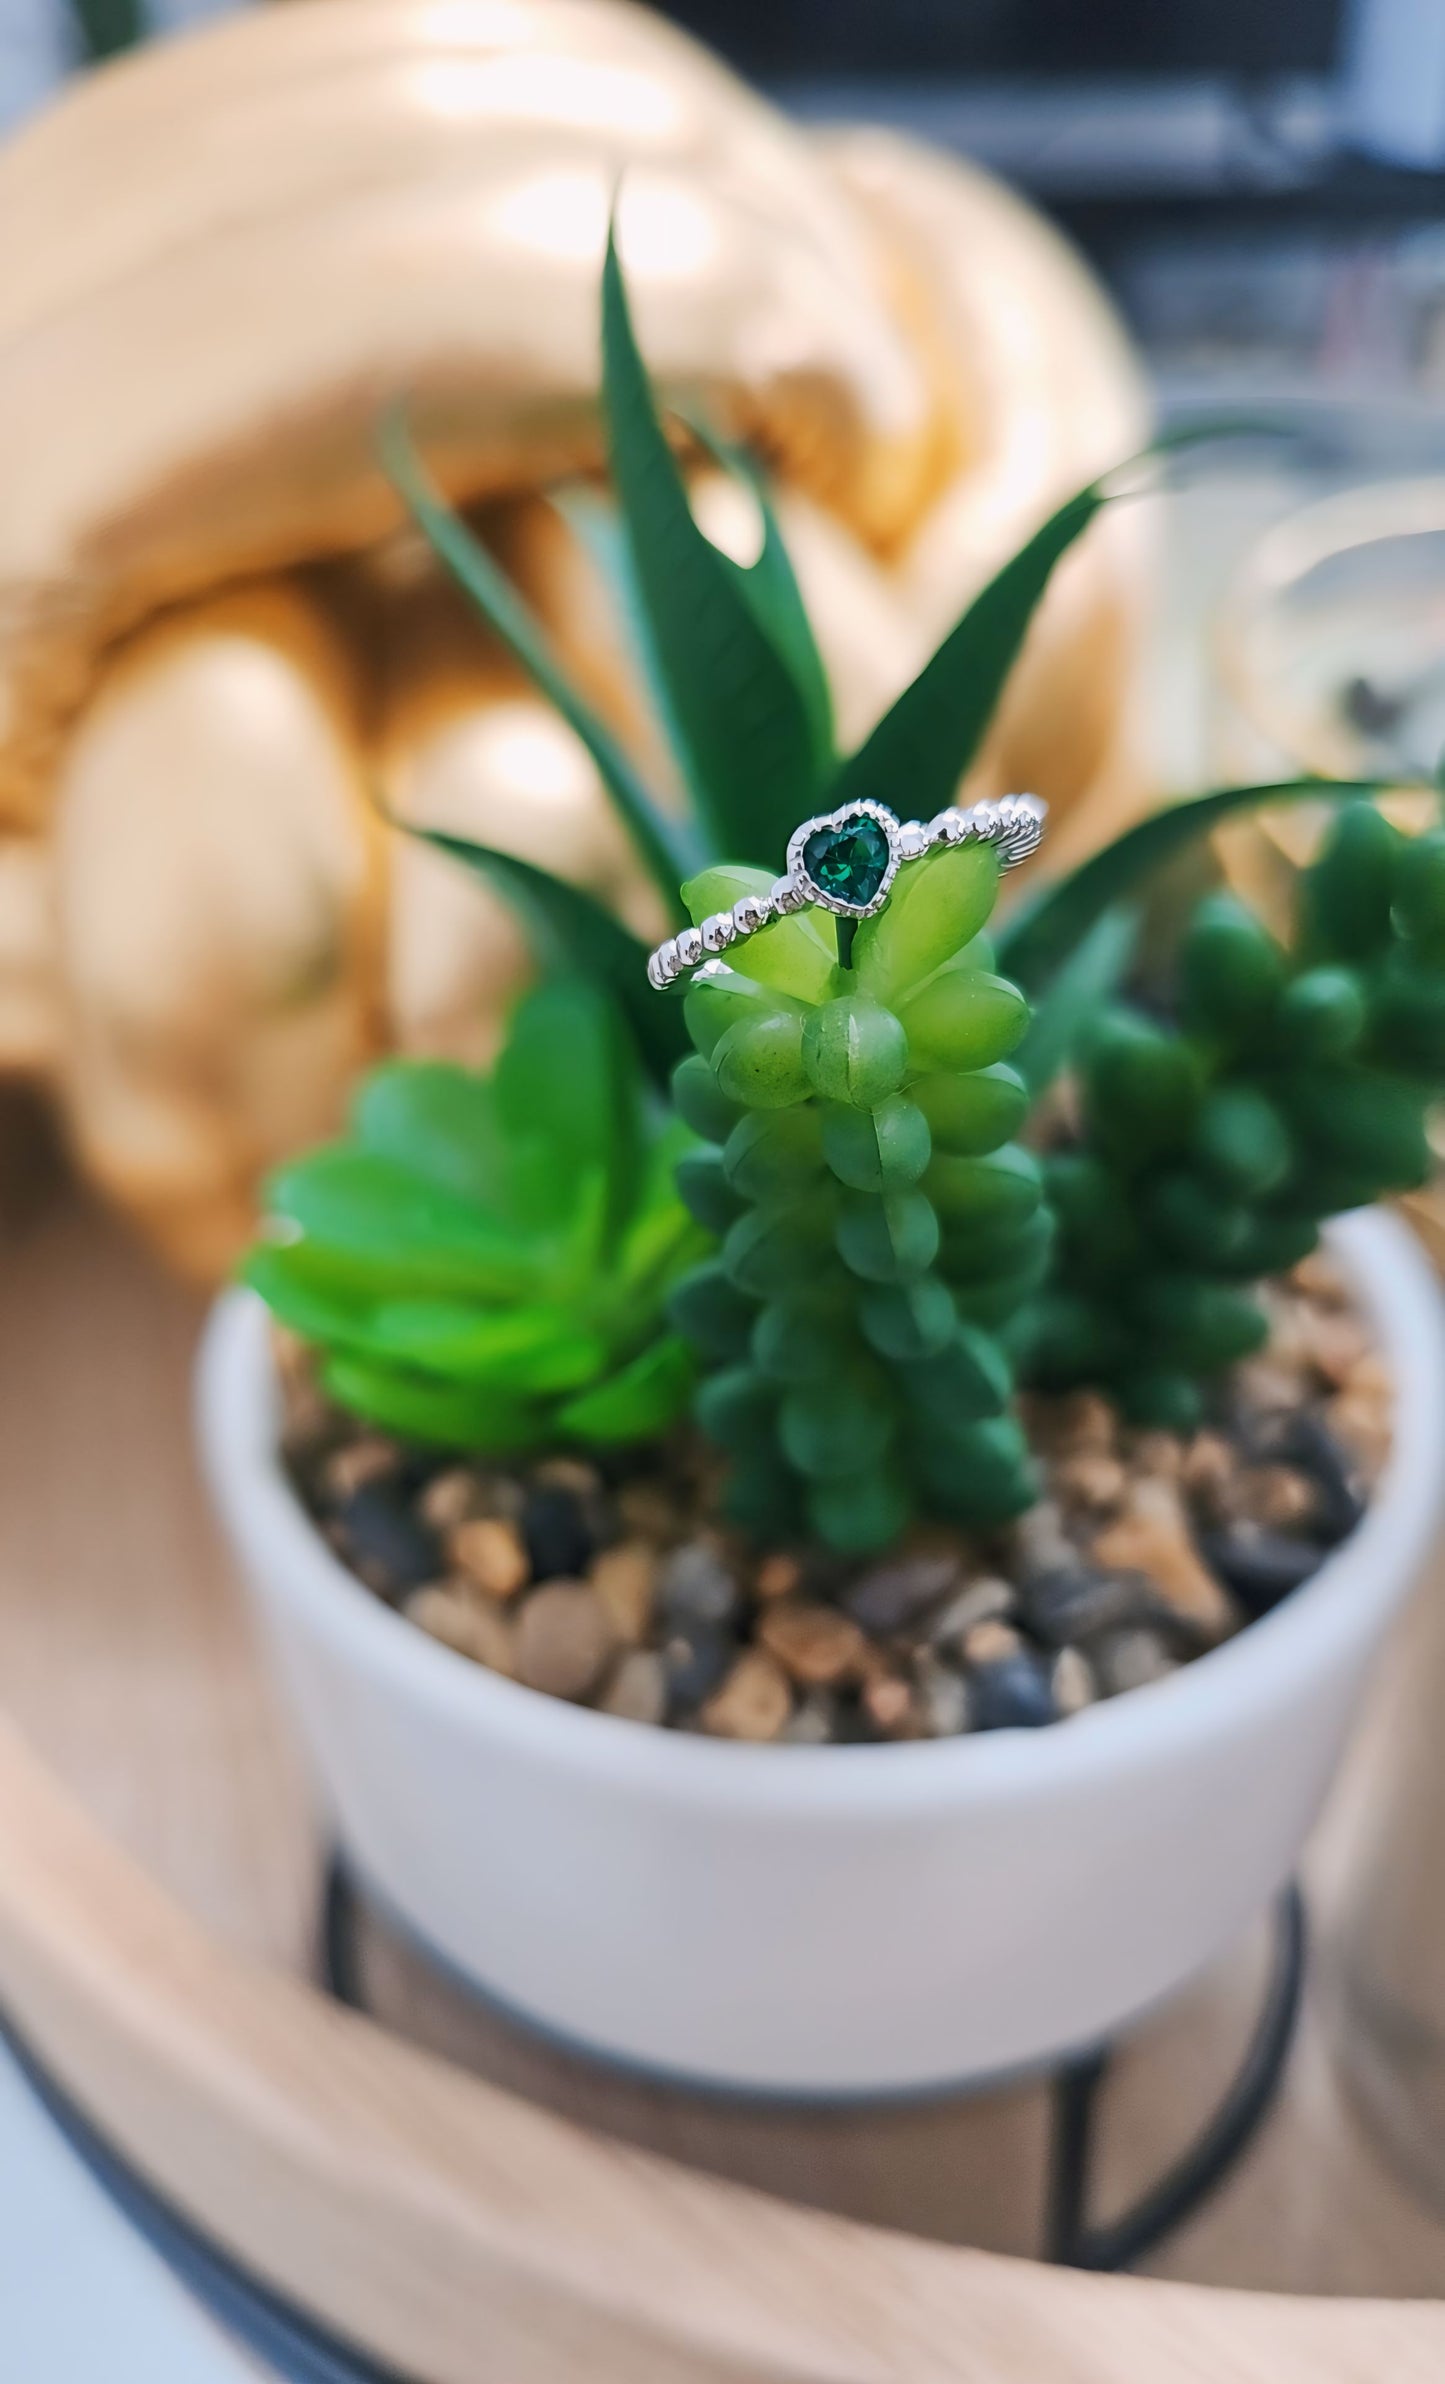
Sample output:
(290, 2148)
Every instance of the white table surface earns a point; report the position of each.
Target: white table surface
(83, 2299)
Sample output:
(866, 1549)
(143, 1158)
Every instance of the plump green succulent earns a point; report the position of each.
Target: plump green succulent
(1287, 1085)
(484, 1262)
(877, 1220)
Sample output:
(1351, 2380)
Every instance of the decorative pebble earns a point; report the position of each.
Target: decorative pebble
(816, 1645)
(1362, 1417)
(990, 1643)
(1092, 1480)
(1309, 1443)
(1073, 1601)
(1072, 1681)
(987, 1600)
(778, 1577)
(625, 1578)
(943, 1698)
(1211, 1464)
(891, 1595)
(637, 1690)
(559, 1542)
(695, 1661)
(1131, 1659)
(697, 1584)
(649, 1509)
(1087, 1424)
(754, 1701)
(1261, 1567)
(1277, 1496)
(348, 1469)
(813, 1721)
(1152, 1537)
(1039, 1541)
(445, 1611)
(1015, 1694)
(564, 1640)
(384, 1540)
(451, 1498)
(492, 1554)
(888, 1705)
(1157, 1455)
(572, 1474)
(1336, 1346)
(1266, 1386)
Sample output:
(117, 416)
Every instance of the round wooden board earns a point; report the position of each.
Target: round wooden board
(443, 2190)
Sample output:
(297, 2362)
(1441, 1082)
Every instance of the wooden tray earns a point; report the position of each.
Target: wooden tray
(435, 2185)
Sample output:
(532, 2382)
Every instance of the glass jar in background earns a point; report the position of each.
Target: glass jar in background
(1329, 658)
(1329, 648)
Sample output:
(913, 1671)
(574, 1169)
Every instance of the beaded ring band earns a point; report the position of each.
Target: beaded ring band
(845, 861)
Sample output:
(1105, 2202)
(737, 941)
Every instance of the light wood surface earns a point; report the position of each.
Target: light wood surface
(436, 2199)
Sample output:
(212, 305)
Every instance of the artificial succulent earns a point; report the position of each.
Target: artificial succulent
(878, 1220)
(1285, 1083)
(484, 1261)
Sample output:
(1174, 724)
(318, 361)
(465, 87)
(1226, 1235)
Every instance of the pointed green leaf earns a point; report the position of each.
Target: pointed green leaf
(743, 723)
(441, 1121)
(569, 929)
(567, 1081)
(481, 1420)
(373, 1224)
(1043, 935)
(530, 1350)
(649, 1393)
(921, 748)
(770, 585)
(662, 848)
(1075, 997)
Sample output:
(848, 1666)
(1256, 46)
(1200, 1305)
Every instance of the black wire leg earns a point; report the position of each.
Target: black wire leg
(1069, 2239)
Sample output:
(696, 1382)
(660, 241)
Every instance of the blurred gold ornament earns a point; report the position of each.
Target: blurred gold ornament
(217, 642)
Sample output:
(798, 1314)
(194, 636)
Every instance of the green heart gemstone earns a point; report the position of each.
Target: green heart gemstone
(849, 862)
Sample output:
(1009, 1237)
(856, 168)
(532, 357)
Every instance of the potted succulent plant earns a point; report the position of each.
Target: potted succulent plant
(824, 1533)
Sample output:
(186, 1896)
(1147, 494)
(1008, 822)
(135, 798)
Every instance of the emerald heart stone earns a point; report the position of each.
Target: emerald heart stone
(848, 862)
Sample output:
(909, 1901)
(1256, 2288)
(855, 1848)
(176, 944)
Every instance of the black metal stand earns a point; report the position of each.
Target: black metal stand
(1069, 2240)
(302, 2351)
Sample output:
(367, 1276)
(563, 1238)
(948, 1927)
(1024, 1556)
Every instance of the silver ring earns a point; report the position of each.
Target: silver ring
(845, 861)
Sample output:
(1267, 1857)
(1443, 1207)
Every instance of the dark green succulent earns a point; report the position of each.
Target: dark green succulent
(484, 1262)
(1287, 1085)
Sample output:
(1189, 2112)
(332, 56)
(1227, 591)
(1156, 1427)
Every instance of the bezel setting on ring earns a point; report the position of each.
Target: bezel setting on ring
(835, 824)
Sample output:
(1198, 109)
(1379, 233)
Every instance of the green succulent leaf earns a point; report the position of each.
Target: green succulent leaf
(932, 734)
(1075, 997)
(660, 845)
(928, 738)
(743, 721)
(565, 1084)
(770, 585)
(642, 1399)
(437, 1414)
(569, 929)
(372, 1225)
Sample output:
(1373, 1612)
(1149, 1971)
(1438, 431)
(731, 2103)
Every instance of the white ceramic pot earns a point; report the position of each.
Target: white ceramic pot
(827, 1920)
